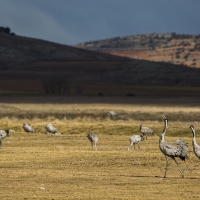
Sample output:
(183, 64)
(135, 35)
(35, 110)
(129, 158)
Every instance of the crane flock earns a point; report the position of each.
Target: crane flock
(177, 149)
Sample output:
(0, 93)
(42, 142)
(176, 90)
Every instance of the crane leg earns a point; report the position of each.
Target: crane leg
(166, 166)
(134, 145)
(95, 146)
(138, 146)
(92, 145)
(182, 174)
(131, 144)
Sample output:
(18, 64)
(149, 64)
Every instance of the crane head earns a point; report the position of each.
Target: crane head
(192, 127)
(7, 131)
(165, 119)
(142, 138)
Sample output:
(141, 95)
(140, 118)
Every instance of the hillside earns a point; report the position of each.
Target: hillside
(173, 48)
(17, 51)
(34, 66)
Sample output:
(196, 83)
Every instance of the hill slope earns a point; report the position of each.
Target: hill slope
(16, 50)
(36, 66)
(174, 48)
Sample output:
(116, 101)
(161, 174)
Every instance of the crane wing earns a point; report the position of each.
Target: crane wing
(175, 149)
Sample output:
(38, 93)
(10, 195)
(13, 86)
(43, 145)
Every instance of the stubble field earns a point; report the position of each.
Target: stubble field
(40, 166)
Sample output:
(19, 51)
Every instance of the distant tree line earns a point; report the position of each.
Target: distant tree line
(6, 30)
(184, 36)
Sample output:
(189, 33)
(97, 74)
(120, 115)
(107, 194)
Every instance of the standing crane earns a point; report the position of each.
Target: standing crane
(172, 149)
(111, 114)
(93, 139)
(28, 128)
(196, 147)
(135, 139)
(3, 134)
(145, 131)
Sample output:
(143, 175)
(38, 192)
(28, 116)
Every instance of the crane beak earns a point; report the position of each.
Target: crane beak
(164, 116)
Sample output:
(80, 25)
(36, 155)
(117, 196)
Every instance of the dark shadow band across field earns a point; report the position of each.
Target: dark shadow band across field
(172, 100)
(94, 108)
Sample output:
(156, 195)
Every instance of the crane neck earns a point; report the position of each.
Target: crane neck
(162, 136)
(194, 136)
(165, 126)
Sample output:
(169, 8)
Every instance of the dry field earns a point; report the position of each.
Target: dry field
(40, 166)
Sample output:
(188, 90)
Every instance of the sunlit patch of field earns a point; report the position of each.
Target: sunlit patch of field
(40, 166)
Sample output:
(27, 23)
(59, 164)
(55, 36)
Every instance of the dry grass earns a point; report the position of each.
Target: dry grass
(39, 166)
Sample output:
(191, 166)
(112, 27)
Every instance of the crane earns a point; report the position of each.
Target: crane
(135, 139)
(3, 134)
(28, 128)
(145, 131)
(196, 147)
(93, 139)
(172, 149)
(50, 129)
(112, 114)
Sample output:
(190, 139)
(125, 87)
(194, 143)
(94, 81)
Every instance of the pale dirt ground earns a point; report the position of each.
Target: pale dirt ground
(40, 166)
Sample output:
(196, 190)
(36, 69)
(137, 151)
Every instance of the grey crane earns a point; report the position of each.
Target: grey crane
(112, 114)
(145, 131)
(50, 129)
(135, 139)
(196, 147)
(172, 149)
(28, 128)
(3, 134)
(93, 139)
